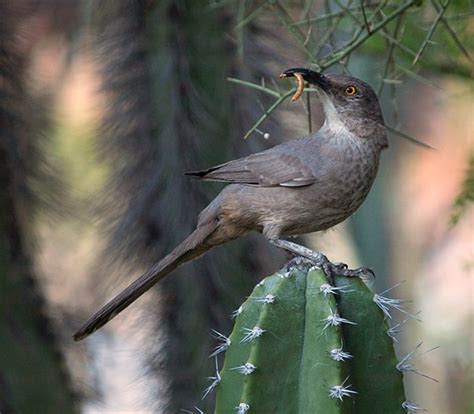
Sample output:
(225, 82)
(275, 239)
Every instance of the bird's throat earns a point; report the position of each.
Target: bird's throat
(333, 122)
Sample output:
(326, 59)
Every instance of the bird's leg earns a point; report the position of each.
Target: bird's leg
(321, 261)
(316, 258)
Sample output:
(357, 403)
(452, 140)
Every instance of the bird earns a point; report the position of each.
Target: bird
(303, 185)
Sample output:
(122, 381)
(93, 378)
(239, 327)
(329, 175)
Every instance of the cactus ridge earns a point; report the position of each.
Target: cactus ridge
(303, 345)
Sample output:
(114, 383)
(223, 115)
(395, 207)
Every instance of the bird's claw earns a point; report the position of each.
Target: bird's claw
(340, 266)
(362, 272)
(341, 269)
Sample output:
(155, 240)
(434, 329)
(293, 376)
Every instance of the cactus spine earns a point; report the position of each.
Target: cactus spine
(301, 345)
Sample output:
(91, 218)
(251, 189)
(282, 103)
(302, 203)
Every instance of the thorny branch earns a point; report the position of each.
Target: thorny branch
(337, 56)
(452, 33)
(431, 31)
(370, 18)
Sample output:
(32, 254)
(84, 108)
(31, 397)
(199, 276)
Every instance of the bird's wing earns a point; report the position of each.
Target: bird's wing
(266, 169)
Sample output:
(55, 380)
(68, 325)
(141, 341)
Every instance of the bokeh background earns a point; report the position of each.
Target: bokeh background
(103, 106)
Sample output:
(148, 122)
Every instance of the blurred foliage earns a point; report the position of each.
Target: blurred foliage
(423, 43)
(466, 196)
(33, 377)
(84, 175)
(29, 354)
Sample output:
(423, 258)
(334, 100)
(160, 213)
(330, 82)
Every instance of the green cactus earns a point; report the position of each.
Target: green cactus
(302, 345)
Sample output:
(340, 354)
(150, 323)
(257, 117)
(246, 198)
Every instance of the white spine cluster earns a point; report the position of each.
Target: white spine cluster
(339, 355)
(327, 289)
(252, 333)
(395, 330)
(236, 313)
(410, 407)
(224, 343)
(216, 379)
(341, 391)
(242, 408)
(406, 363)
(268, 299)
(284, 275)
(386, 304)
(335, 320)
(245, 369)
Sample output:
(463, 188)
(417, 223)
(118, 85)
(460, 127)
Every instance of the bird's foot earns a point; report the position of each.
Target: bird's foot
(341, 269)
(320, 260)
(362, 272)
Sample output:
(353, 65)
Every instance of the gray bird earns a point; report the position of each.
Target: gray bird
(305, 185)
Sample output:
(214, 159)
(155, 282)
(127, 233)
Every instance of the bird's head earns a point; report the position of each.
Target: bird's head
(347, 101)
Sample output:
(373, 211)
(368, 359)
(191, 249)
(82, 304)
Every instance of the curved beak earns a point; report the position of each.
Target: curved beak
(309, 76)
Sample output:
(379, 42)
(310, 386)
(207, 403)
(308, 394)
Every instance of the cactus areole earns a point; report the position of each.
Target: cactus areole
(301, 345)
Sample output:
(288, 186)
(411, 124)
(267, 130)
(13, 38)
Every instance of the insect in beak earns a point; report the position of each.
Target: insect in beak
(300, 87)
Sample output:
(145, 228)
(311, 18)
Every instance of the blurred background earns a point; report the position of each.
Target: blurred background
(104, 105)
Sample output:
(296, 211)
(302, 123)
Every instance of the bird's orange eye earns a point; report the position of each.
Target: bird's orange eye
(351, 90)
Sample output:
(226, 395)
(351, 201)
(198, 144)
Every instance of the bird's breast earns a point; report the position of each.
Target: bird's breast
(337, 195)
(351, 178)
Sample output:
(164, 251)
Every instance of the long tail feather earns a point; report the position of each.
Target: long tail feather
(193, 246)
